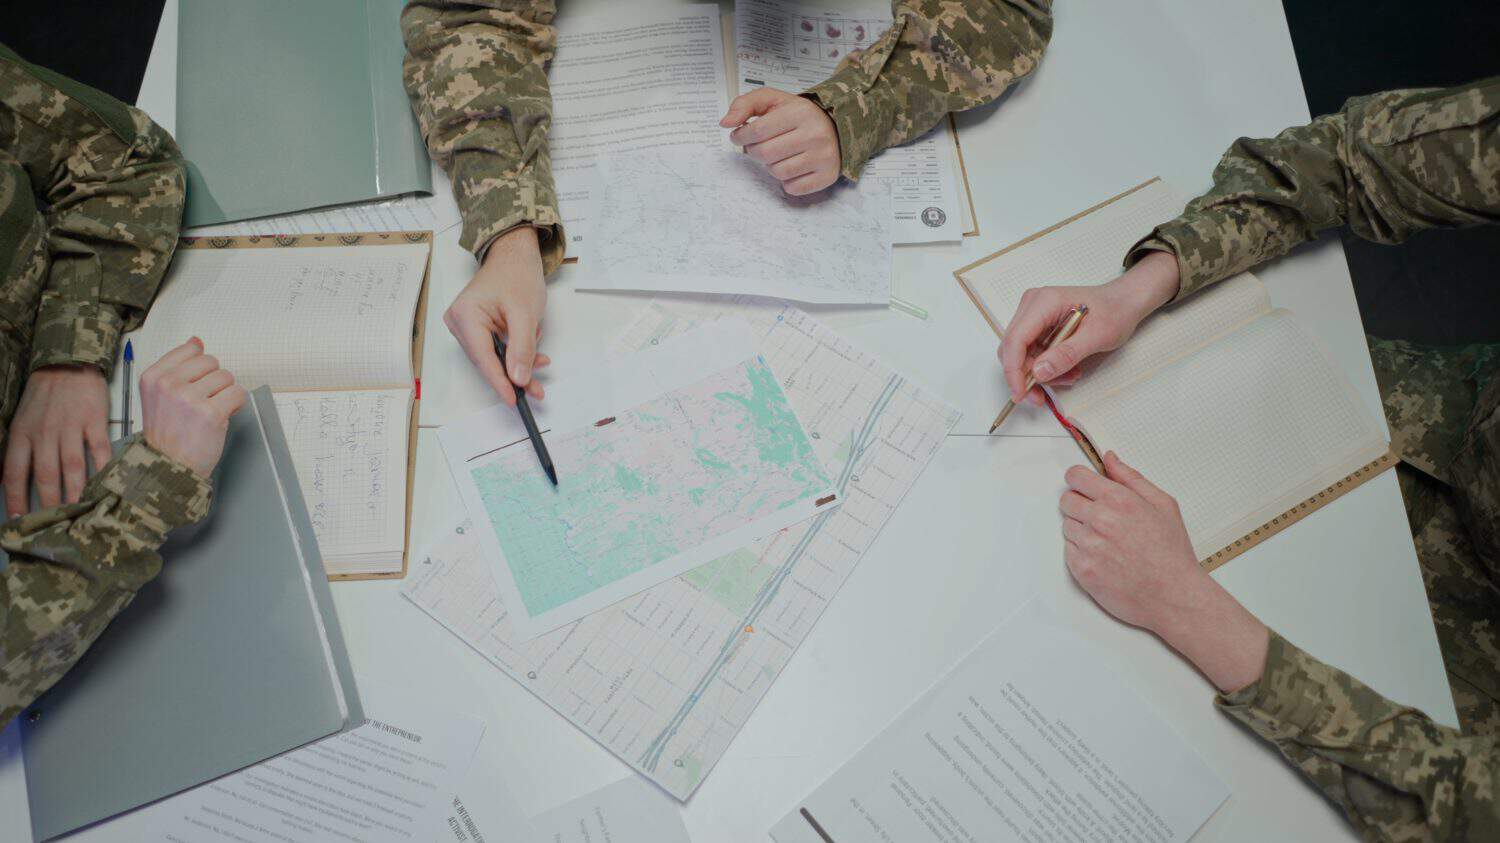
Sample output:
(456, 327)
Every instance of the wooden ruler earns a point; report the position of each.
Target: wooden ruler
(1302, 510)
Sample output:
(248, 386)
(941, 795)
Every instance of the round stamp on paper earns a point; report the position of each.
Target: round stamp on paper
(934, 217)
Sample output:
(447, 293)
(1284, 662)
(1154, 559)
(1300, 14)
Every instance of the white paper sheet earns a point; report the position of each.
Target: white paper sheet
(629, 810)
(1032, 736)
(485, 811)
(666, 459)
(666, 679)
(389, 779)
(795, 46)
(627, 79)
(716, 222)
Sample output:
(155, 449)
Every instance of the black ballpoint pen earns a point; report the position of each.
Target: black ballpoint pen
(528, 419)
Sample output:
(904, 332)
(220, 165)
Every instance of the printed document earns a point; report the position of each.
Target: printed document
(386, 780)
(1032, 736)
(666, 459)
(717, 222)
(628, 79)
(668, 677)
(794, 46)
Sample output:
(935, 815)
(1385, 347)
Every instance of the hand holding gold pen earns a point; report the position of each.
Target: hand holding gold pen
(1064, 329)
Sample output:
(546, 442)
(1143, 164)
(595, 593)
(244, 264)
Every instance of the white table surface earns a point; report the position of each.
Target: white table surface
(1129, 89)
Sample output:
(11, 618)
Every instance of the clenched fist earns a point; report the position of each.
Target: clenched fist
(186, 402)
(790, 136)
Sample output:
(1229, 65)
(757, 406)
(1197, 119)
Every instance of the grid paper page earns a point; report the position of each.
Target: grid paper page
(666, 679)
(336, 317)
(1241, 430)
(350, 452)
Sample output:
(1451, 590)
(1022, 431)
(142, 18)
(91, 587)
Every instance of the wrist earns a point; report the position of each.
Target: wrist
(516, 244)
(1150, 284)
(1214, 631)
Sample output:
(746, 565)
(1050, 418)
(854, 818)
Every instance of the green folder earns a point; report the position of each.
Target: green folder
(286, 105)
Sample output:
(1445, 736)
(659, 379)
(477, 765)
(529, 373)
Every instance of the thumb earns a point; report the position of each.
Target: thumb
(1059, 359)
(520, 350)
(745, 106)
(1117, 470)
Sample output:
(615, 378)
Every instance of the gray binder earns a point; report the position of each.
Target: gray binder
(231, 656)
(285, 105)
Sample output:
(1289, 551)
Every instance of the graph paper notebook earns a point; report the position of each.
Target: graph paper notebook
(1221, 400)
(333, 325)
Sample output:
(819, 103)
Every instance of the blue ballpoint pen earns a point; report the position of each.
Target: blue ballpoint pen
(129, 359)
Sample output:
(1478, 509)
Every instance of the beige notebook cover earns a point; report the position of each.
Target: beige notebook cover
(333, 324)
(1223, 401)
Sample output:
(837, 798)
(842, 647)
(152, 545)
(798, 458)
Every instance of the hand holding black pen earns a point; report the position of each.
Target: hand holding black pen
(527, 418)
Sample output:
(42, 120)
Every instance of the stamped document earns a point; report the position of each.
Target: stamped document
(666, 459)
(1031, 737)
(793, 46)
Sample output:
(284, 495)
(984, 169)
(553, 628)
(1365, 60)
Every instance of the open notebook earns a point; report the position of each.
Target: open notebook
(332, 324)
(1222, 400)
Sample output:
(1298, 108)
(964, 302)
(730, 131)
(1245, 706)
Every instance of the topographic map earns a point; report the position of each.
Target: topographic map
(715, 222)
(668, 677)
(647, 484)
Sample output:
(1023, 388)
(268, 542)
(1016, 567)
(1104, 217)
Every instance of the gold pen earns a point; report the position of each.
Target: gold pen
(1061, 332)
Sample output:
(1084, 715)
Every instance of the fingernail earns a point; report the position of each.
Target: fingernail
(1044, 370)
(519, 372)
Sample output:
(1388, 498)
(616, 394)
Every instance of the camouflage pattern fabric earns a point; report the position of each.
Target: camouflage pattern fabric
(108, 184)
(938, 56)
(91, 196)
(1397, 775)
(74, 567)
(1387, 165)
(476, 73)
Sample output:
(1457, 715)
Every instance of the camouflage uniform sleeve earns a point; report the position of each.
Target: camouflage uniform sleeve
(1388, 165)
(937, 57)
(111, 186)
(74, 567)
(1395, 773)
(476, 74)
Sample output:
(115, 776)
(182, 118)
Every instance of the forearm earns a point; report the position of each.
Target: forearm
(72, 568)
(476, 74)
(936, 58)
(1388, 165)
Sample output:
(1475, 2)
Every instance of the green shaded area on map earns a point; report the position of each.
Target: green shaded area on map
(665, 477)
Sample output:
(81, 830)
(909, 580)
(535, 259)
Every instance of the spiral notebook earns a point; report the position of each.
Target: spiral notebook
(1222, 400)
(333, 325)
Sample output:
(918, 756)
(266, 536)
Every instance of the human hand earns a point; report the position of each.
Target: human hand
(186, 402)
(508, 297)
(1115, 310)
(791, 137)
(1125, 544)
(63, 414)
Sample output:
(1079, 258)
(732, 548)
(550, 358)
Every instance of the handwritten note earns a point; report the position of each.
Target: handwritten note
(350, 450)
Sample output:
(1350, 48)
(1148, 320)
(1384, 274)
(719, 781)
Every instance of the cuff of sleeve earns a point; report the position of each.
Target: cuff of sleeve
(1205, 252)
(857, 116)
(76, 333)
(160, 491)
(1289, 698)
(489, 212)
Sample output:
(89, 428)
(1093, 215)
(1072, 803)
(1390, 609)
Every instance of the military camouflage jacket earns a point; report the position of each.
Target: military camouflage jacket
(1388, 165)
(476, 72)
(938, 56)
(74, 567)
(108, 185)
(91, 197)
